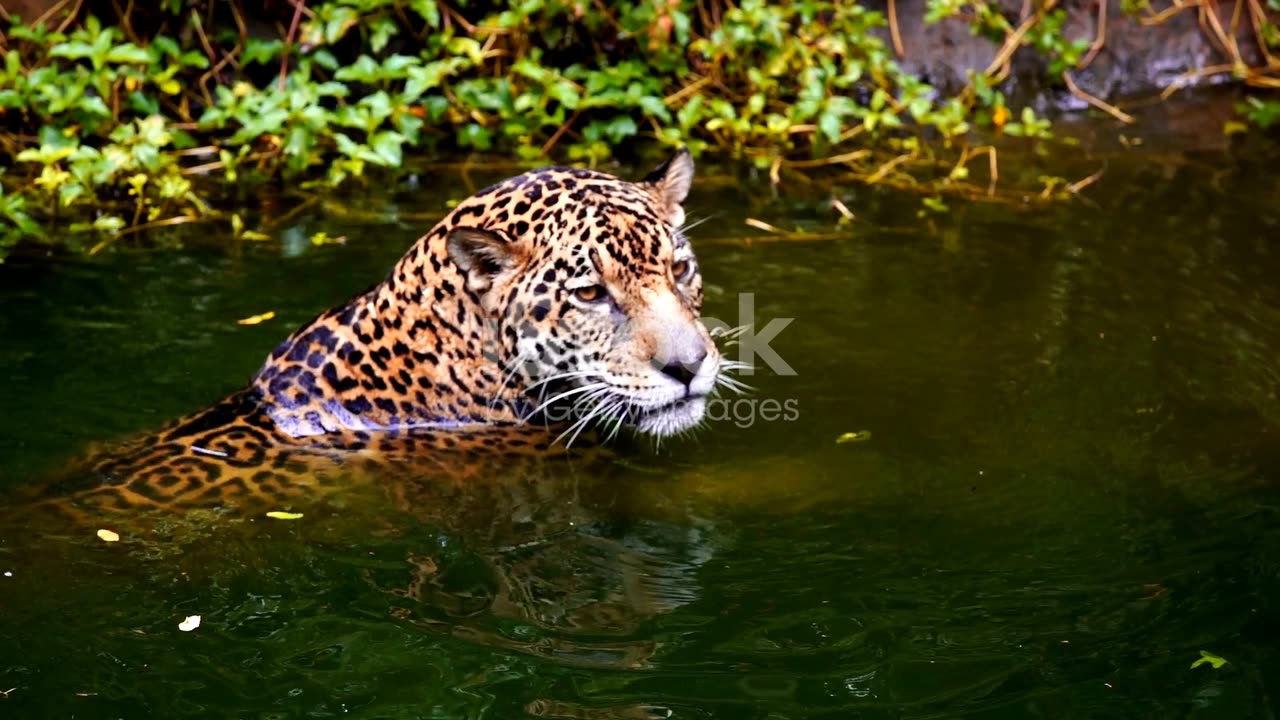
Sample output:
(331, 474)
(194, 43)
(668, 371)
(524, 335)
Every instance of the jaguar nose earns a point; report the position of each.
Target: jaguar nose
(685, 371)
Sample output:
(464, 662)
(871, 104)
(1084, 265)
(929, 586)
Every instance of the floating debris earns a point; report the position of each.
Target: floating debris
(323, 238)
(762, 225)
(852, 437)
(846, 215)
(256, 319)
(108, 536)
(281, 515)
(189, 623)
(1209, 658)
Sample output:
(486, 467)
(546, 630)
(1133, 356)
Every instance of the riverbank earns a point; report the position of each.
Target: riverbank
(127, 123)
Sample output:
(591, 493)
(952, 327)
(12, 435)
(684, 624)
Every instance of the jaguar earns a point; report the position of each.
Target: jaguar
(556, 302)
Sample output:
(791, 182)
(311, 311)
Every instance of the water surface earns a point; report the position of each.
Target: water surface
(1069, 489)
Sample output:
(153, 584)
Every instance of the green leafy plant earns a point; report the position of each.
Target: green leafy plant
(124, 122)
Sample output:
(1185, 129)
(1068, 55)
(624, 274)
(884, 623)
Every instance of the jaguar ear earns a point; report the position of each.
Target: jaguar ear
(481, 255)
(670, 183)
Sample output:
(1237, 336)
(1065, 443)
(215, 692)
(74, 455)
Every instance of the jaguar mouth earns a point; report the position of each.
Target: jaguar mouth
(602, 405)
(671, 418)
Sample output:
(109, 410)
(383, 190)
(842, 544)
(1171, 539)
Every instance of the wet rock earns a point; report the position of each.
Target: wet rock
(1136, 59)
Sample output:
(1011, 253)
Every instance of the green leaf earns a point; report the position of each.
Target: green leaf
(268, 123)
(354, 150)
(94, 105)
(101, 47)
(476, 136)
(378, 106)
(690, 114)
(165, 46)
(654, 107)
(829, 124)
(470, 47)
(68, 193)
(620, 128)
(71, 50)
(428, 10)
(195, 59)
(383, 30)
(325, 59)
(437, 106)
(409, 125)
(330, 89)
(430, 76)
(128, 53)
(387, 146)
(109, 223)
(397, 66)
(261, 51)
(364, 69)
(55, 137)
(340, 21)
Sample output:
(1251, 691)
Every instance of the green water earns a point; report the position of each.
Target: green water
(1069, 489)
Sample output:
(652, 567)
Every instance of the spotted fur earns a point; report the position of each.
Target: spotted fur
(550, 303)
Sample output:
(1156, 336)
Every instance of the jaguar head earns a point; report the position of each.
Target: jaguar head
(592, 295)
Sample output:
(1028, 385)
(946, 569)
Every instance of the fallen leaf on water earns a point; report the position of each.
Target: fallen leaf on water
(762, 225)
(323, 238)
(1154, 590)
(281, 515)
(846, 215)
(189, 623)
(1234, 127)
(255, 319)
(850, 437)
(108, 536)
(1207, 657)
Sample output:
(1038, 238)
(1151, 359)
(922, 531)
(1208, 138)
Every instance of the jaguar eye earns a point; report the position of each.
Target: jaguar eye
(680, 269)
(590, 293)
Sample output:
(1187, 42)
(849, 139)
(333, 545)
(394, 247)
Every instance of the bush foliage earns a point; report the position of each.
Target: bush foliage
(124, 122)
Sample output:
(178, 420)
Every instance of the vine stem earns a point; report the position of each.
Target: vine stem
(564, 127)
(893, 30)
(999, 64)
(1102, 105)
(1100, 39)
(298, 7)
